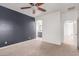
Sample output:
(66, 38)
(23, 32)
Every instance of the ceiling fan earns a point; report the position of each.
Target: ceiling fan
(33, 5)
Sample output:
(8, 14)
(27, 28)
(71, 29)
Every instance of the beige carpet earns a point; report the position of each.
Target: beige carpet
(37, 48)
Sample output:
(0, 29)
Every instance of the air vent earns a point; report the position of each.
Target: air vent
(71, 8)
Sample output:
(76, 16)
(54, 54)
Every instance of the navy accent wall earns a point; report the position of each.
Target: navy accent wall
(15, 27)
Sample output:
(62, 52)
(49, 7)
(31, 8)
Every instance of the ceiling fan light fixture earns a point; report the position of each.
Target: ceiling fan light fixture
(35, 6)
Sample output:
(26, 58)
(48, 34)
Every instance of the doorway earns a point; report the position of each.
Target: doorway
(70, 33)
(39, 29)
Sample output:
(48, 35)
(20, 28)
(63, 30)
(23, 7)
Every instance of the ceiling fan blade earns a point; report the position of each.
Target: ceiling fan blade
(33, 11)
(32, 4)
(41, 9)
(25, 7)
(38, 4)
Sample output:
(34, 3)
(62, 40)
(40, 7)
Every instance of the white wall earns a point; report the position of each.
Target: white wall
(52, 32)
(53, 25)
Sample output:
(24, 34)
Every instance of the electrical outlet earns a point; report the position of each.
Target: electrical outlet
(6, 42)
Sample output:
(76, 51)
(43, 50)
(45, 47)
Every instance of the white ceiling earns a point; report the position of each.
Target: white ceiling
(50, 7)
